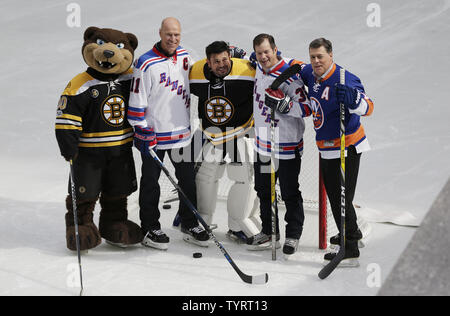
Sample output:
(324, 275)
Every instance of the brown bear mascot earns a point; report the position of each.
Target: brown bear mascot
(93, 133)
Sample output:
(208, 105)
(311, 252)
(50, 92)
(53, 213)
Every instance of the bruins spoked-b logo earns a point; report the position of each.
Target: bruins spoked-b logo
(219, 110)
(113, 110)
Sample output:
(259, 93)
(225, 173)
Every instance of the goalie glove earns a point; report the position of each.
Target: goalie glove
(278, 101)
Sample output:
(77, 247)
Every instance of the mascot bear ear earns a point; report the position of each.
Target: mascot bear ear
(90, 31)
(133, 40)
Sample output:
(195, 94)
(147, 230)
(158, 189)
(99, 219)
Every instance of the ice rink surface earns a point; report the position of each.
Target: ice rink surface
(403, 65)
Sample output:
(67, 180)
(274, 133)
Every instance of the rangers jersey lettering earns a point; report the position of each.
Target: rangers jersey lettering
(92, 113)
(225, 105)
(325, 111)
(160, 96)
(289, 127)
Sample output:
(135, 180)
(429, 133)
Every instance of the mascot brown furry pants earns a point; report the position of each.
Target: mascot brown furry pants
(111, 180)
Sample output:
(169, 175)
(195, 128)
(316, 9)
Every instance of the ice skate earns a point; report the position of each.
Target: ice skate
(335, 241)
(290, 247)
(350, 258)
(196, 235)
(156, 239)
(262, 241)
(238, 237)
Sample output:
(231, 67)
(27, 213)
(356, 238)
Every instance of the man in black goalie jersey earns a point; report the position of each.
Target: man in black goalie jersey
(224, 86)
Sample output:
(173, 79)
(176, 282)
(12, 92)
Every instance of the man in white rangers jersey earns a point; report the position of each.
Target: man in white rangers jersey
(159, 111)
(289, 128)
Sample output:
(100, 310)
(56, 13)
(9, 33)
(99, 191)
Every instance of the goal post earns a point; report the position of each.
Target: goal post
(322, 211)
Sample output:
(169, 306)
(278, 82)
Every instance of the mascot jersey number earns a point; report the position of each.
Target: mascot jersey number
(92, 131)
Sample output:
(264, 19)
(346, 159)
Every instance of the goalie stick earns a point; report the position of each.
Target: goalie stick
(285, 75)
(259, 279)
(329, 268)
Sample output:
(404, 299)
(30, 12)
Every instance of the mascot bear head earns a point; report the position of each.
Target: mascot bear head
(109, 51)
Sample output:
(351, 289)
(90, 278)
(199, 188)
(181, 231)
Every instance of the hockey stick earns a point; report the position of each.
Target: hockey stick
(294, 69)
(75, 216)
(259, 279)
(273, 180)
(329, 268)
(285, 75)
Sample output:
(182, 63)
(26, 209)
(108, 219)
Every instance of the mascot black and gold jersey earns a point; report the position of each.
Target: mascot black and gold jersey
(225, 105)
(91, 113)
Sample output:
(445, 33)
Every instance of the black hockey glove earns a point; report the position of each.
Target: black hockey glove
(351, 97)
(278, 101)
(144, 139)
(237, 52)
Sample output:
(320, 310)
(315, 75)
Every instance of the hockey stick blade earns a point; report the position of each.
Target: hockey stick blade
(329, 268)
(285, 75)
(260, 279)
(251, 279)
(255, 279)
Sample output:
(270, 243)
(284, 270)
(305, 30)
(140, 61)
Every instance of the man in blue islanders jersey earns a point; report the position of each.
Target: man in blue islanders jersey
(160, 114)
(322, 77)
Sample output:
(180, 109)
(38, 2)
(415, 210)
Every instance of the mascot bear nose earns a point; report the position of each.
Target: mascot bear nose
(108, 53)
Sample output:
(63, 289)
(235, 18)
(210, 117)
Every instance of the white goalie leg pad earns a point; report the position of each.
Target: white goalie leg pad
(207, 184)
(243, 203)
